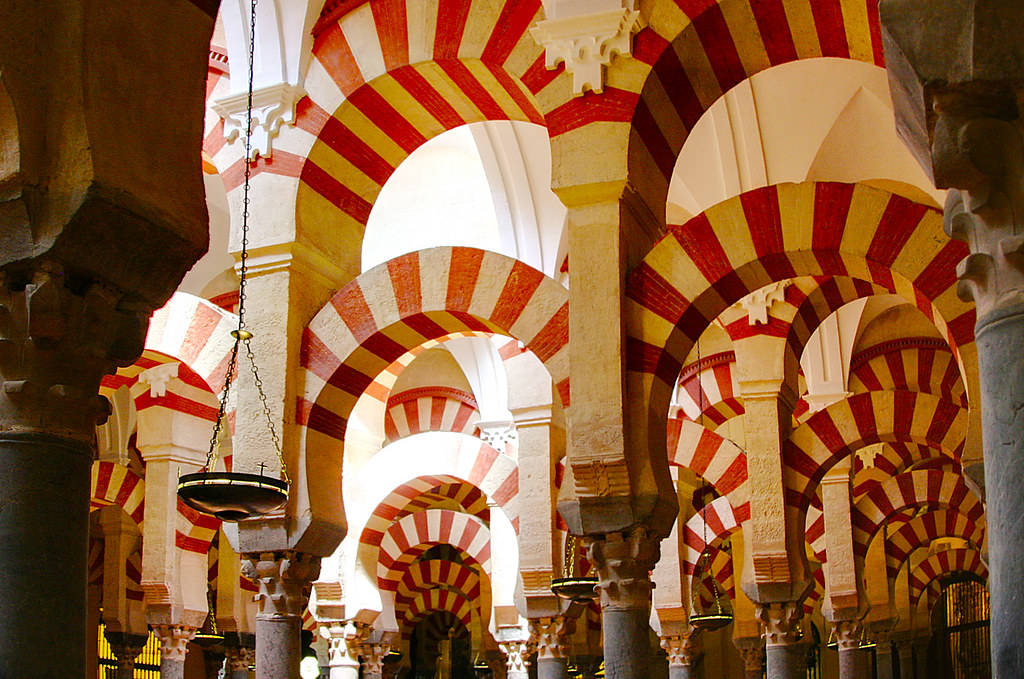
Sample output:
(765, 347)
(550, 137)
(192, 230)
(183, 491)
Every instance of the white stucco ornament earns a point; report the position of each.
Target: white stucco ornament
(586, 42)
(272, 106)
(158, 377)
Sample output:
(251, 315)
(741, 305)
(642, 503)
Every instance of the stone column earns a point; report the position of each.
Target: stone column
(905, 649)
(373, 659)
(54, 348)
(848, 634)
(239, 660)
(955, 75)
(344, 644)
(284, 579)
(884, 668)
(126, 648)
(550, 638)
(752, 651)
(517, 655)
(684, 652)
(173, 647)
(624, 562)
(782, 650)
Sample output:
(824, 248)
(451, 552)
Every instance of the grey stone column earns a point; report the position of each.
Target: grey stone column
(752, 651)
(848, 635)
(955, 74)
(173, 648)
(884, 656)
(283, 579)
(905, 651)
(684, 652)
(126, 648)
(624, 562)
(783, 652)
(549, 638)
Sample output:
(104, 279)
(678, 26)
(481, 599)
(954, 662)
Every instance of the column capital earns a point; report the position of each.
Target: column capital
(56, 343)
(549, 636)
(779, 621)
(517, 652)
(345, 641)
(752, 651)
(240, 658)
(174, 640)
(683, 649)
(624, 562)
(848, 634)
(284, 579)
(373, 657)
(125, 646)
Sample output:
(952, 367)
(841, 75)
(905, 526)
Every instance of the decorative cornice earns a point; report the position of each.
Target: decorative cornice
(424, 392)
(896, 345)
(586, 43)
(706, 363)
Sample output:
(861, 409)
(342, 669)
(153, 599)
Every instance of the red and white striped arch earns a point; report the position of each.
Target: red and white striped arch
(816, 594)
(922, 364)
(391, 74)
(898, 456)
(945, 563)
(412, 535)
(721, 565)
(862, 419)
(429, 601)
(436, 573)
(931, 488)
(814, 533)
(424, 492)
(780, 232)
(922, 530)
(412, 299)
(716, 459)
(115, 484)
(708, 391)
(698, 51)
(195, 531)
(430, 409)
(714, 523)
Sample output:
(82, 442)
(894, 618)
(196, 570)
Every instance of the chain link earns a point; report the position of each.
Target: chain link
(241, 334)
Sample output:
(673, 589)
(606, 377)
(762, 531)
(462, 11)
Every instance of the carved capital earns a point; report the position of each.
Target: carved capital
(848, 634)
(752, 651)
(174, 640)
(624, 562)
(58, 337)
(586, 42)
(759, 303)
(158, 377)
(345, 641)
(373, 658)
(240, 658)
(779, 622)
(550, 636)
(272, 107)
(683, 649)
(516, 653)
(284, 579)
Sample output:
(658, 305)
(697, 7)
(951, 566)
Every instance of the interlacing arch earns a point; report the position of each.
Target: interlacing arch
(862, 419)
(716, 459)
(914, 364)
(922, 530)
(932, 488)
(414, 298)
(430, 409)
(781, 232)
(412, 535)
(942, 564)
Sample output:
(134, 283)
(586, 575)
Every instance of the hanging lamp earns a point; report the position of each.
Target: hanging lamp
(579, 588)
(233, 496)
(721, 615)
(208, 636)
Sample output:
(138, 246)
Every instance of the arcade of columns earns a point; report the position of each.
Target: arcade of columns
(658, 377)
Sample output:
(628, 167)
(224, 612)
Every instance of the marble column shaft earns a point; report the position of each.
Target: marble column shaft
(624, 562)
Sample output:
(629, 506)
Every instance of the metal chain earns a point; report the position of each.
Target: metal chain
(241, 334)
